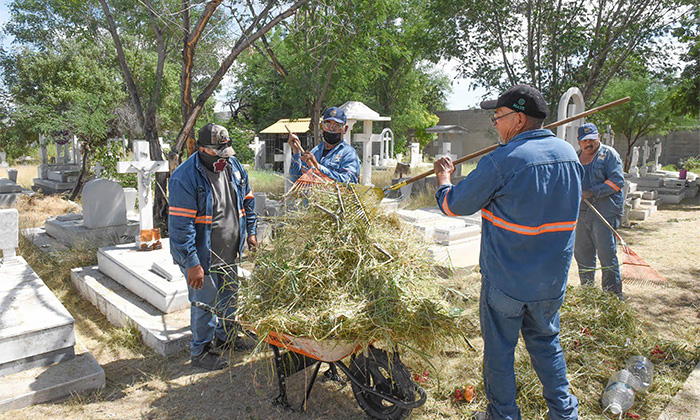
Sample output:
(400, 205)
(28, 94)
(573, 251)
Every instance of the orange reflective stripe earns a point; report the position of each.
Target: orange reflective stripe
(241, 213)
(203, 219)
(445, 207)
(178, 213)
(249, 195)
(183, 210)
(612, 185)
(528, 230)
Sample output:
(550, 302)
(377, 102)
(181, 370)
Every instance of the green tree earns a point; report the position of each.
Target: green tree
(648, 113)
(551, 45)
(686, 97)
(69, 88)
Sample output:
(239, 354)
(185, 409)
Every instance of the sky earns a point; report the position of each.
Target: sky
(462, 97)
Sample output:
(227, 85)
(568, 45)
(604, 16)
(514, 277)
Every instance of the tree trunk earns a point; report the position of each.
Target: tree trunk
(81, 178)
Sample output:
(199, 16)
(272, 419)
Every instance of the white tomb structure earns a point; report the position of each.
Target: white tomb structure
(258, 147)
(416, 155)
(62, 175)
(40, 360)
(566, 109)
(358, 112)
(145, 168)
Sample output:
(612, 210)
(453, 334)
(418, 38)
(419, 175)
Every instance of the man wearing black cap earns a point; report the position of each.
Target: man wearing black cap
(529, 192)
(212, 216)
(602, 185)
(332, 156)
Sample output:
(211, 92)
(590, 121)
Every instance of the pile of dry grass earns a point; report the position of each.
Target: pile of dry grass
(336, 270)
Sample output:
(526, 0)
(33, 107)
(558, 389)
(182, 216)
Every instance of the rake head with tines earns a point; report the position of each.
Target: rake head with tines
(634, 269)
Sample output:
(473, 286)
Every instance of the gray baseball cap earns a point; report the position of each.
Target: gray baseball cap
(215, 137)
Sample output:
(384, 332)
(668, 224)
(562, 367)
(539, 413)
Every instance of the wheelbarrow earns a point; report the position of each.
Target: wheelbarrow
(381, 383)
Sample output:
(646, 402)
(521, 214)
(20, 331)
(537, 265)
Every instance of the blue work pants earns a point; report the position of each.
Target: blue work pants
(502, 320)
(220, 291)
(593, 237)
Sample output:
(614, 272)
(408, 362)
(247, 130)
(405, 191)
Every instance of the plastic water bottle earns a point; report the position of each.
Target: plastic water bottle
(643, 370)
(618, 396)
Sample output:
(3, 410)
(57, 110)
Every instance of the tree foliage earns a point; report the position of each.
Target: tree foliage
(551, 45)
(686, 98)
(648, 113)
(373, 52)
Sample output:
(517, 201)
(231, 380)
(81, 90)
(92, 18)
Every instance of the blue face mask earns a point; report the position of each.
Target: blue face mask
(332, 138)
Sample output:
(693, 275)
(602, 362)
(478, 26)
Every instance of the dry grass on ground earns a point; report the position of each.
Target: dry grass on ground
(598, 333)
(25, 174)
(35, 209)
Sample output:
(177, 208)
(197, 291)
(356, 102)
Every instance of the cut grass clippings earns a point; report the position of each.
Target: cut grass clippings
(328, 275)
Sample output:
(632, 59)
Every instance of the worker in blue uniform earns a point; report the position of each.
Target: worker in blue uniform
(529, 192)
(602, 184)
(333, 157)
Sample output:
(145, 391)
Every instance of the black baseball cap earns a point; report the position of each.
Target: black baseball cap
(520, 98)
(215, 137)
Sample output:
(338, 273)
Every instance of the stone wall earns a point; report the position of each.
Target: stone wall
(480, 133)
(676, 145)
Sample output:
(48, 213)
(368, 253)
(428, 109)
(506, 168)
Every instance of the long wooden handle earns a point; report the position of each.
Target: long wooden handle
(491, 148)
(298, 143)
(600, 216)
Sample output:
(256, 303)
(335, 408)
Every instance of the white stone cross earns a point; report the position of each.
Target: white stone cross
(98, 168)
(145, 168)
(257, 147)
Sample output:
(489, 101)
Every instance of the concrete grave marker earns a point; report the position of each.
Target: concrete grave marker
(258, 148)
(98, 168)
(3, 164)
(103, 204)
(145, 168)
(645, 157)
(9, 232)
(634, 170)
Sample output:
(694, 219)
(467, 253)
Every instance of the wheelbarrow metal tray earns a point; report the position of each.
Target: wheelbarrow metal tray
(323, 350)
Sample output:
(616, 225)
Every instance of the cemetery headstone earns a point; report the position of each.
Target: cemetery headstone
(9, 190)
(258, 148)
(416, 157)
(38, 357)
(12, 174)
(3, 163)
(103, 204)
(145, 169)
(657, 155)
(645, 157)
(634, 170)
(98, 168)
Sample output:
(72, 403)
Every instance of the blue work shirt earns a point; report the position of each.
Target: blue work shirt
(605, 179)
(340, 164)
(529, 192)
(191, 210)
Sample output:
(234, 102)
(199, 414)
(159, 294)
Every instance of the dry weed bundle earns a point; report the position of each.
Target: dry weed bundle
(339, 270)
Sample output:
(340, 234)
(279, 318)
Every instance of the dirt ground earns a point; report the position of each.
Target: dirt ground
(141, 384)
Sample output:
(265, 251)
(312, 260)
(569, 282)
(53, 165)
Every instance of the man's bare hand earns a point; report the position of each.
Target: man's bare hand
(586, 194)
(293, 141)
(443, 168)
(252, 243)
(309, 159)
(195, 277)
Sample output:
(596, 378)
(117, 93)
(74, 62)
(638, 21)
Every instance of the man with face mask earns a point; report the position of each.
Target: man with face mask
(332, 156)
(212, 216)
(528, 191)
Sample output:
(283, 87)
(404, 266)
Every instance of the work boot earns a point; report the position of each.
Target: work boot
(209, 359)
(479, 415)
(239, 343)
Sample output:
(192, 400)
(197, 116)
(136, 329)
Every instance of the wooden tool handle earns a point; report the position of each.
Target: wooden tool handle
(298, 143)
(600, 216)
(491, 148)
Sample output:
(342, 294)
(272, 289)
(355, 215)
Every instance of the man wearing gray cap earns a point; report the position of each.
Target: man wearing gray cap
(212, 216)
(528, 191)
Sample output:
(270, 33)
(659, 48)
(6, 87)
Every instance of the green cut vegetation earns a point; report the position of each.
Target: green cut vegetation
(335, 270)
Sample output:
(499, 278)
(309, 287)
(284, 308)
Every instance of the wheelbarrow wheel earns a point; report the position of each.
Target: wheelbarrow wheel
(388, 377)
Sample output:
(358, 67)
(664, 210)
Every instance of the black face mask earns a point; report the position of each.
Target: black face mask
(213, 163)
(332, 138)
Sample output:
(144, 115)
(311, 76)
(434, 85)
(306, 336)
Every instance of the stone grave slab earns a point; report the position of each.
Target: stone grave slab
(70, 229)
(35, 328)
(132, 268)
(9, 191)
(650, 195)
(104, 204)
(462, 255)
(649, 182)
(455, 236)
(50, 383)
(165, 333)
